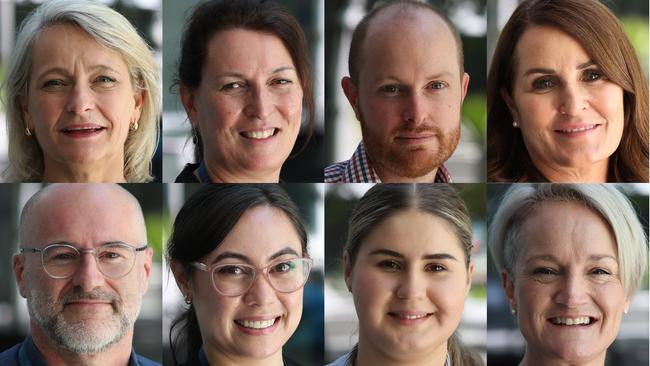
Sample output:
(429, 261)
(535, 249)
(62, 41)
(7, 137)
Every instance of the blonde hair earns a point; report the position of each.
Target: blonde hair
(110, 29)
(521, 199)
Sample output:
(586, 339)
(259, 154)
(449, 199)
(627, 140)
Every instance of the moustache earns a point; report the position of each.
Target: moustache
(96, 294)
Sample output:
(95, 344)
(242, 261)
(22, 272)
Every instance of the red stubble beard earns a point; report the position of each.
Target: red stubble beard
(410, 161)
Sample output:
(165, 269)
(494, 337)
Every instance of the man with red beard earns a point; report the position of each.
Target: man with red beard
(406, 86)
(83, 267)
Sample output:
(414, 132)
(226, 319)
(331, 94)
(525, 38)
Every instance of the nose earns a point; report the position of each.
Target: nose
(414, 109)
(261, 293)
(259, 103)
(573, 291)
(574, 100)
(411, 286)
(80, 99)
(87, 276)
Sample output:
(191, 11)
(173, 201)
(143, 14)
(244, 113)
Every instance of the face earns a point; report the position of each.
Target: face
(570, 114)
(409, 94)
(249, 103)
(81, 100)
(226, 323)
(567, 288)
(409, 284)
(87, 312)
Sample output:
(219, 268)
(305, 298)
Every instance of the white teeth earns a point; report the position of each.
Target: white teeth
(257, 324)
(583, 320)
(259, 134)
(580, 129)
(411, 317)
(82, 129)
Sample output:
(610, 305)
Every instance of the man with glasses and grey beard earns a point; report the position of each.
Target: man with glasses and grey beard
(83, 267)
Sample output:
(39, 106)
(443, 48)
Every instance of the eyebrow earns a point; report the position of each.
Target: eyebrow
(279, 253)
(541, 70)
(242, 76)
(395, 254)
(552, 258)
(62, 71)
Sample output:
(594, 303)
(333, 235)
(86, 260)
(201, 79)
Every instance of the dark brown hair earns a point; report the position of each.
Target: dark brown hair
(213, 16)
(602, 36)
(359, 34)
(201, 225)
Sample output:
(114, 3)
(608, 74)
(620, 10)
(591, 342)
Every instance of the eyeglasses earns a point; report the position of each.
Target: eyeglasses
(114, 260)
(285, 275)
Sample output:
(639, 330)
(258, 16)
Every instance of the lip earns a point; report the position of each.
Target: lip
(561, 321)
(82, 130)
(409, 317)
(240, 324)
(414, 138)
(577, 130)
(260, 135)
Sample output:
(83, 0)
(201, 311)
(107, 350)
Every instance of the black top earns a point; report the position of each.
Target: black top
(187, 175)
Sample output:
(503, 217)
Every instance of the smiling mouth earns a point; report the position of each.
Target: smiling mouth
(257, 324)
(577, 129)
(579, 321)
(82, 130)
(259, 135)
(409, 316)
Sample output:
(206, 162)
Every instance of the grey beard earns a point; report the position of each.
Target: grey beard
(80, 337)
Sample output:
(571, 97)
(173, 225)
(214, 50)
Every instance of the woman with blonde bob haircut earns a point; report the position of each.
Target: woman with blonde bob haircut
(408, 266)
(571, 259)
(567, 97)
(82, 97)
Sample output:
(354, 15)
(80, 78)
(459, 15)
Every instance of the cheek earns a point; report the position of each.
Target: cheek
(535, 111)
(292, 303)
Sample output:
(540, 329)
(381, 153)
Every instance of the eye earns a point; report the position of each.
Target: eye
(232, 270)
(283, 267)
(389, 265)
(438, 85)
(390, 89)
(231, 87)
(435, 267)
(53, 84)
(592, 75)
(110, 255)
(105, 79)
(543, 83)
(281, 82)
(600, 272)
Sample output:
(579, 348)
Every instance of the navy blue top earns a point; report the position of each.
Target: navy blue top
(26, 354)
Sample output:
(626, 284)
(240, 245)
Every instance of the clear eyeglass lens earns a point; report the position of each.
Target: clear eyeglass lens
(284, 276)
(113, 260)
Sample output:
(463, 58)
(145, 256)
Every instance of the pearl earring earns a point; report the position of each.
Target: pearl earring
(515, 124)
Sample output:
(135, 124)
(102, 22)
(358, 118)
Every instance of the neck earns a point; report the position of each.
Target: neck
(369, 355)
(99, 172)
(532, 358)
(593, 173)
(387, 176)
(219, 174)
(54, 355)
(216, 357)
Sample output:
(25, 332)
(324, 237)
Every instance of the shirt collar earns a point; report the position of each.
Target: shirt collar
(29, 355)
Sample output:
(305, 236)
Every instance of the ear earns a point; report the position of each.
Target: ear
(347, 271)
(470, 271)
(187, 98)
(139, 97)
(464, 82)
(18, 264)
(508, 286)
(146, 274)
(27, 118)
(352, 93)
(182, 280)
(511, 105)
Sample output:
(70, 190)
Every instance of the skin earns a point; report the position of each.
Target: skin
(75, 81)
(557, 87)
(85, 216)
(254, 86)
(224, 341)
(411, 264)
(568, 267)
(409, 94)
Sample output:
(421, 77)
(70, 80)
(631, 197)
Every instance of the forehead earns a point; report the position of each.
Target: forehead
(567, 230)
(64, 45)
(409, 41)
(243, 50)
(544, 46)
(414, 233)
(260, 232)
(86, 215)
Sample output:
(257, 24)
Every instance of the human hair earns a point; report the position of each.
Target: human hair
(603, 38)
(405, 6)
(203, 222)
(212, 16)
(110, 29)
(521, 200)
(440, 200)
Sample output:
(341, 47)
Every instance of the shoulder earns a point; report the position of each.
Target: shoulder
(335, 172)
(187, 174)
(10, 357)
(143, 361)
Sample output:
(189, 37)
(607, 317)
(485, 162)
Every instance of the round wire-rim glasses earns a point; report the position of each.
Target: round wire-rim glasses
(60, 261)
(294, 272)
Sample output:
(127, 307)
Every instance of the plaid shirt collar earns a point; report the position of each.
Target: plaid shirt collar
(359, 170)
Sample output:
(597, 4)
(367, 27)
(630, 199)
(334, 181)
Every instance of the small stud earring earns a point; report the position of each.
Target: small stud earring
(188, 300)
(513, 311)
(515, 124)
(28, 132)
(134, 126)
